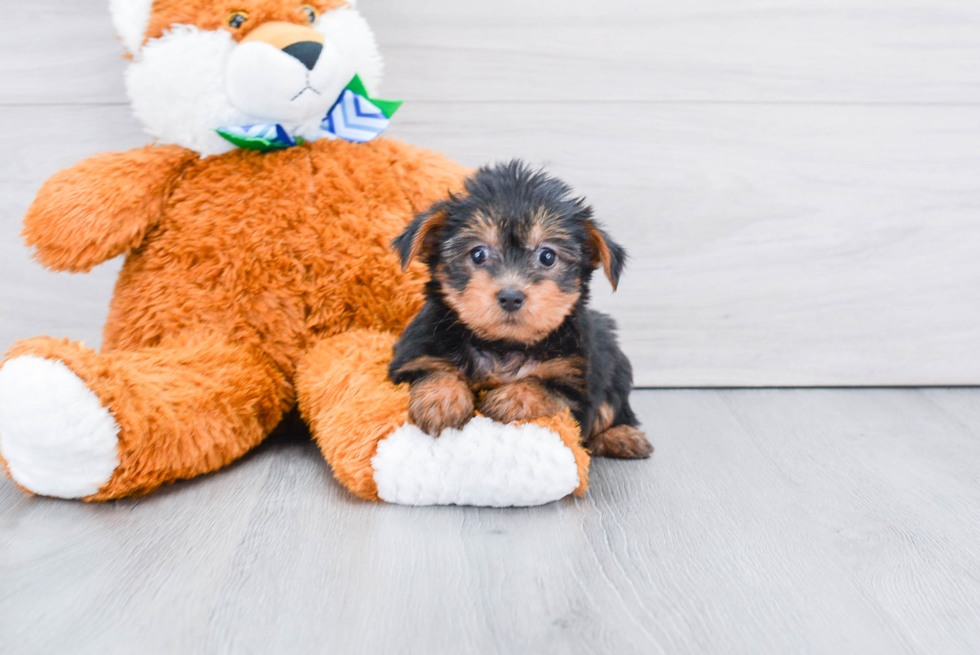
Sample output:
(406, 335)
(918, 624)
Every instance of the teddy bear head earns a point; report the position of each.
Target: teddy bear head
(198, 66)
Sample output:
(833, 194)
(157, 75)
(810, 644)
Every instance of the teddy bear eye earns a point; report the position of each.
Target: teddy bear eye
(309, 12)
(236, 19)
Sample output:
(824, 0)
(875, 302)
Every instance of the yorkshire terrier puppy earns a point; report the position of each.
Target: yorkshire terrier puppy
(505, 328)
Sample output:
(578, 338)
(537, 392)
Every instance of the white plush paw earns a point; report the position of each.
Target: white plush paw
(57, 438)
(485, 464)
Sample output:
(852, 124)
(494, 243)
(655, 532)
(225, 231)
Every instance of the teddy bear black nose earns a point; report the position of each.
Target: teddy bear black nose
(306, 51)
(511, 299)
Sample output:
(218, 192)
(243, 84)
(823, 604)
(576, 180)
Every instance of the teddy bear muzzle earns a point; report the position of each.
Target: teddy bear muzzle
(297, 41)
(285, 73)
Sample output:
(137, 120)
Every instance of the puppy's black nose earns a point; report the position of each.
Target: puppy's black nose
(511, 299)
(308, 52)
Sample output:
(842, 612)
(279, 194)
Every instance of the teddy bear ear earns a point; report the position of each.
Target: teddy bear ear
(131, 18)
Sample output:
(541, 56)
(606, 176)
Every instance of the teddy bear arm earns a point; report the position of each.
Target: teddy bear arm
(103, 206)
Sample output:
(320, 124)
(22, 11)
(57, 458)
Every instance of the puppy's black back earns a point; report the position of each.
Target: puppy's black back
(610, 374)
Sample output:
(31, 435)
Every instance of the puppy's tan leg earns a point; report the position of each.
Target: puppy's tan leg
(440, 400)
(622, 441)
(521, 401)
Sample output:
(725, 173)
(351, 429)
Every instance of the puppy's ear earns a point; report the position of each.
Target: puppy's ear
(421, 237)
(605, 251)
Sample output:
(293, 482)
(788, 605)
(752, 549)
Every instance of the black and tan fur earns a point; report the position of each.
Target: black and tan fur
(505, 329)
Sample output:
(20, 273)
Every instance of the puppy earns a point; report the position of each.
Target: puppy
(505, 328)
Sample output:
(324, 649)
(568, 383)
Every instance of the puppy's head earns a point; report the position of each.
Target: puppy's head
(513, 254)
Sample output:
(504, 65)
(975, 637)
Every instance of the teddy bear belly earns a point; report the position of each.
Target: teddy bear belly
(274, 250)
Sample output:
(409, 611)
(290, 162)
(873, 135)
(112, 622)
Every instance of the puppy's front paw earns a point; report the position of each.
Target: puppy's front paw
(440, 400)
(521, 401)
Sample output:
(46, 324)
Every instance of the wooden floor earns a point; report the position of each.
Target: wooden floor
(768, 521)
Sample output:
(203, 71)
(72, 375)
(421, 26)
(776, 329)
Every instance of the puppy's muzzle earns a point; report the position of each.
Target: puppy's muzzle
(301, 43)
(511, 300)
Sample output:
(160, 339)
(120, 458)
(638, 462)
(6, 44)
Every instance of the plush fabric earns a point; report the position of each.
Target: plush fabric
(75, 225)
(130, 18)
(358, 420)
(179, 82)
(57, 437)
(254, 283)
(482, 464)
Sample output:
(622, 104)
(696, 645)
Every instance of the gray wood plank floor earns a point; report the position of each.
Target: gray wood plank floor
(768, 521)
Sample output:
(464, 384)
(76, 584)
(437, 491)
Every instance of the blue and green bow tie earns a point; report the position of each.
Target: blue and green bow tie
(354, 117)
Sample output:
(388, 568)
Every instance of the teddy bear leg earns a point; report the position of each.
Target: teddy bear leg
(360, 421)
(78, 424)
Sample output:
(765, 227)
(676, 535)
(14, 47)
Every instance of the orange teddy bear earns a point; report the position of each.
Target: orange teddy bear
(254, 282)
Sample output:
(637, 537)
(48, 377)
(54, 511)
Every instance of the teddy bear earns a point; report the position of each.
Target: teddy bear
(258, 276)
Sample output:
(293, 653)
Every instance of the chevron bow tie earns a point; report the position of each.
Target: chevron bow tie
(355, 116)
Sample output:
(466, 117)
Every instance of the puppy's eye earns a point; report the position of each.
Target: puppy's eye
(236, 19)
(478, 255)
(547, 257)
(309, 13)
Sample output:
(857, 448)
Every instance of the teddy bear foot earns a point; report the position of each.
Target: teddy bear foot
(55, 436)
(486, 464)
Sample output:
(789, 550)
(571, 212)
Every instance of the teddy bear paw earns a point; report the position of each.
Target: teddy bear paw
(485, 464)
(55, 436)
